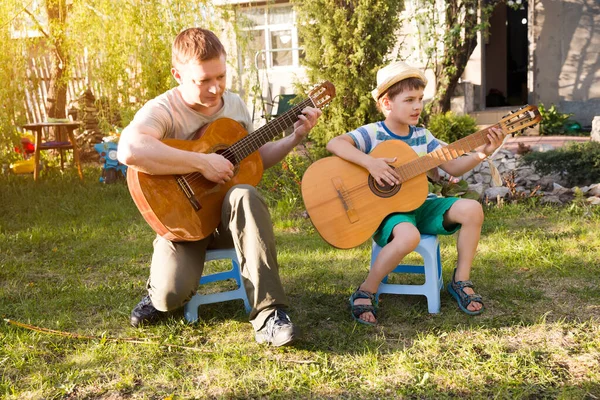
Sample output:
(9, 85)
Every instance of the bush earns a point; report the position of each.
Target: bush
(281, 184)
(450, 127)
(553, 122)
(578, 163)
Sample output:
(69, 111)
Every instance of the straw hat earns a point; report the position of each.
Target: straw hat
(394, 73)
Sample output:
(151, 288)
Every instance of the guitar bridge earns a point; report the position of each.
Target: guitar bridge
(343, 196)
(189, 193)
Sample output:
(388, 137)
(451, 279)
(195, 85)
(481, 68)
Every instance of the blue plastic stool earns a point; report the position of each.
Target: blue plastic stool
(191, 308)
(429, 249)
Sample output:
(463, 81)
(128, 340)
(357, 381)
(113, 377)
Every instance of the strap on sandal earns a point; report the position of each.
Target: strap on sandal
(359, 309)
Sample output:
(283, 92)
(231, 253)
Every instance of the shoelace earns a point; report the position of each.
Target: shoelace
(275, 322)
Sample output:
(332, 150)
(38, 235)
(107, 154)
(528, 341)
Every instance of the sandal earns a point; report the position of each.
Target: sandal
(358, 309)
(456, 289)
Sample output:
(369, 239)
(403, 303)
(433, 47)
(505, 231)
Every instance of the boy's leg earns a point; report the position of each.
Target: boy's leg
(469, 214)
(405, 239)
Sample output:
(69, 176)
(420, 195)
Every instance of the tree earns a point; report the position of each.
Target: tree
(346, 42)
(448, 50)
(60, 59)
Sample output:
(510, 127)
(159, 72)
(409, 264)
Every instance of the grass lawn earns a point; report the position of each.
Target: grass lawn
(74, 257)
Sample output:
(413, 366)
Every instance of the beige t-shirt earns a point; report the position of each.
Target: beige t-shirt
(169, 114)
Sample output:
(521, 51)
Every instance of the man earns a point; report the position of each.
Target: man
(199, 67)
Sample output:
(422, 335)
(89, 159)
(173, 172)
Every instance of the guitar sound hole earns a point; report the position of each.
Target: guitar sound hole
(229, 155)
(385, 190)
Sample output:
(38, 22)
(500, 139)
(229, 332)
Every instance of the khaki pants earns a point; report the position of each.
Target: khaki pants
(245, 225)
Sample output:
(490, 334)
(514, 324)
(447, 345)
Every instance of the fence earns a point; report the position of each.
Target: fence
(36, 92)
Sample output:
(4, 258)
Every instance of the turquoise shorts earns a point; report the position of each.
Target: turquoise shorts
(429, 220)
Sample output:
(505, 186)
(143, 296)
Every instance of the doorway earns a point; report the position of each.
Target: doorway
(506, 55)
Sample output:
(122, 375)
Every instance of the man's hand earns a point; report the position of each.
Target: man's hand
(383, 173)
(216, 168)
(306, 121)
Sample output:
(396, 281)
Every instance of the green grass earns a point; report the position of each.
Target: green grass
(74, 257)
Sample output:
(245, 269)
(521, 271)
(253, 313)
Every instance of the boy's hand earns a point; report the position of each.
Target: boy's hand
(306, 121)
(383, 173)
(496, 137)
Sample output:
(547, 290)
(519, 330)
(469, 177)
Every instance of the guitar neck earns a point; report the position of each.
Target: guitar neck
(438, 157)
(255, 140)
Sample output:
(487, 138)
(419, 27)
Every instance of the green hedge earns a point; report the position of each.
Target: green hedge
(578, 163)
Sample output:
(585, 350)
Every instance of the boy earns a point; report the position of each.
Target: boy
(399, 96)
(200, 98)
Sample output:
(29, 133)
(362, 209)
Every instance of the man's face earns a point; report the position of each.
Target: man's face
(202, 83)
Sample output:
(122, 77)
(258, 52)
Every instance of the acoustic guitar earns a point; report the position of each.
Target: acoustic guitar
(345, 203)
(188, 207)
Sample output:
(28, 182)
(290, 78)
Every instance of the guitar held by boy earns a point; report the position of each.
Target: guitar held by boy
(345, 203)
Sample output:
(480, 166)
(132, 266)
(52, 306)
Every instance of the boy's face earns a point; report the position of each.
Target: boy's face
(202, 83)
(405, 108)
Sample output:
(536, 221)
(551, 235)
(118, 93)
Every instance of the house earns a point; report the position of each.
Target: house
(536, 51)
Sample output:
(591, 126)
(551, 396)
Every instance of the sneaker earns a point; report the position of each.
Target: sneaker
(144, 312)
(277, 331)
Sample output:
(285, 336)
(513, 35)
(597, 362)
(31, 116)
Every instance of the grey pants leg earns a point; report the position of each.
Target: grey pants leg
(246, 225)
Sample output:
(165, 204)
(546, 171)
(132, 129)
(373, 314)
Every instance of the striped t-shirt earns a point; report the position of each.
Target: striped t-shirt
(367, 137)
(419, 139)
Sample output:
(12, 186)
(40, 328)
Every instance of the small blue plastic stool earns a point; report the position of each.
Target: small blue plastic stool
(190, 311)
(429, 249)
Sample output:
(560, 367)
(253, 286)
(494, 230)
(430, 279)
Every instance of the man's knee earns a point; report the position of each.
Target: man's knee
(170, 296)
(245, 196)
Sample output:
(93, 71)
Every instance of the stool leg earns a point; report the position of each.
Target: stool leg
(75, 153)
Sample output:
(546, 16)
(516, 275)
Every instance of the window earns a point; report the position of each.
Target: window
(273, 35)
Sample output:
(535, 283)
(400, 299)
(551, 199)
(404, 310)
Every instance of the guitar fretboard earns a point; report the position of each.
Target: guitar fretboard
(252, 142)
(438, 157)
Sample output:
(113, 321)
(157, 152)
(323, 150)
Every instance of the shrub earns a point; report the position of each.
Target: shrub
(578, 163)
(281, 184)
(553, 122)
(450, 127)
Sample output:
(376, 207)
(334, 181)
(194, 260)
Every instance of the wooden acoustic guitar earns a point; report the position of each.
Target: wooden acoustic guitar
(188, 207)
(346, 204)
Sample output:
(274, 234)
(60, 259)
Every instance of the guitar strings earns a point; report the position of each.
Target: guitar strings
(250, 143)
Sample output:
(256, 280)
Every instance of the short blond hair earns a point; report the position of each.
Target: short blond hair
(196, 44)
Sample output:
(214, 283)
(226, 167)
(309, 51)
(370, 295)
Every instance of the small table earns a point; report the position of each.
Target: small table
(40, 145)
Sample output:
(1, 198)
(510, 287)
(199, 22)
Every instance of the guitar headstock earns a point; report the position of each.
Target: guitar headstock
(322, 94)
(518, 120)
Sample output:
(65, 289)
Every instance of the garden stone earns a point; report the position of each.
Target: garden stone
(534, 178)
(546, 183)
(595, 135)
(593, 200)
(493, 192)
(550, 199)
(477, 187)
(478, 178)
(594, 190)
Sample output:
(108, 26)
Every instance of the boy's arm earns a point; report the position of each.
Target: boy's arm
(344, 147)
(461, 165)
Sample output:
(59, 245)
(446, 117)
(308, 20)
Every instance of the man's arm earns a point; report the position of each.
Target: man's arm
(273, 152)
(140, 149)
